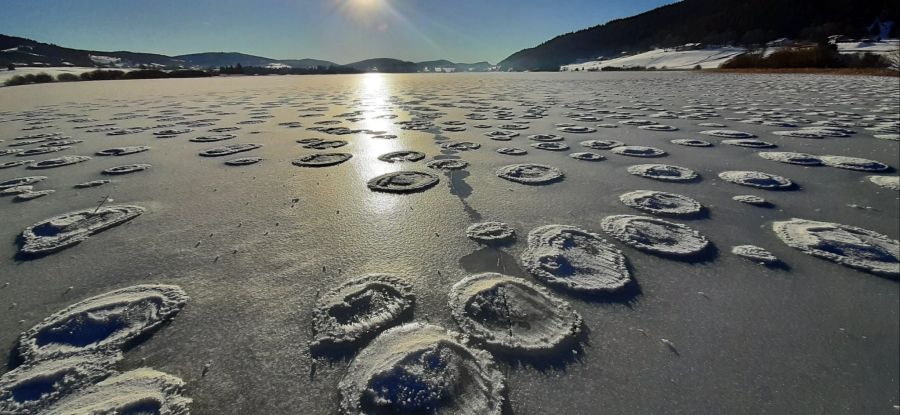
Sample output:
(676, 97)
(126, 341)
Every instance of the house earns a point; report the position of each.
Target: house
(782, 42)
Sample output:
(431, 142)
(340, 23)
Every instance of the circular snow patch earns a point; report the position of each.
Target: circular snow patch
(29, 194)
(512, 151)
(21, 181)
(802, 159)
(661, 203)
(92, 183)
(546, 138)
(530, 173)
(853, 163)
(887, 182)
(655, 235)
(42, 150)
(172, 132)
(847, 245)
(577, 129)
(551, 146)
(755, 254)
(229, 149)
(213, 137)
(601, 144)
(447, 164)
(666, 172)
(689, 142)
(799, 134)
(638, 151)
(586, 156)
(574, 259)
(359, 309)
(728, 134)
(131, 392)
(398, 156)
(461, 146)
(658, 127)
(491, 232)
(14, 163)
(58, 162)
(68, 229)
(756, 179)
(509, 314)
(107, 322)
(403, 182)
(34, 386)
(751, 200)
(128, 168)
(422, 368)
(749, 143)
(321, 159)
(501, 135)
(121, 151)
(243, 161)
(318, 144)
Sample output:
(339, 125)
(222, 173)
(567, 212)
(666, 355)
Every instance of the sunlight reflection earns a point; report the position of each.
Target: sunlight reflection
(374, 94)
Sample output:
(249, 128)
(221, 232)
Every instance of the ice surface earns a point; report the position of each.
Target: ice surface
(257, 246)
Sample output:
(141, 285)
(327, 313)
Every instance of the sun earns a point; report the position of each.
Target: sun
(367, 13)
(366, 5)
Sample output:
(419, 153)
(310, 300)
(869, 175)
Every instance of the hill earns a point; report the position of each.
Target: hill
(388, 65)
(306, 63)
(218, 59)
(458, 67)
(739, 22)
(20, 50)
(17, 49)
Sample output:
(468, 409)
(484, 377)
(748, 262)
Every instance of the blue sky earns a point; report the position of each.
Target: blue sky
(338, 30)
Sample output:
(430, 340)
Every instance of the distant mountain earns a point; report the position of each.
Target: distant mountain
(218, 59)
(710, 22)
(458, 67)
(21, 50)
(388, 65)
(18, 50)
(306, 63)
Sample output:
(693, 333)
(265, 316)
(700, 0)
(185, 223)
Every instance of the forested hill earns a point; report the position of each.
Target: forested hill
(710, 22)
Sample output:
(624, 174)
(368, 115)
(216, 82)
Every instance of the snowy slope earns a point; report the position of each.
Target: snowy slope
(668, 58)
(882, 47)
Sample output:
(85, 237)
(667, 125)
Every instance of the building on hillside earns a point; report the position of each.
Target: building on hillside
(780, 43)
(689, 46)
(839, 39)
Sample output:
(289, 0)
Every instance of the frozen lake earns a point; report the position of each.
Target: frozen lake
(256, 246)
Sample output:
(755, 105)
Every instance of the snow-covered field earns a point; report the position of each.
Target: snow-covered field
(665, 58)
(670, 242)
(886, 46)
(713, 57)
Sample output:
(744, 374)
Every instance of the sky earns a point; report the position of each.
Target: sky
(341, 31)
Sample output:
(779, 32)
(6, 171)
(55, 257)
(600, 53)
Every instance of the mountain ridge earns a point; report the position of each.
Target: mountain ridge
(707, 21)
(15, 49)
